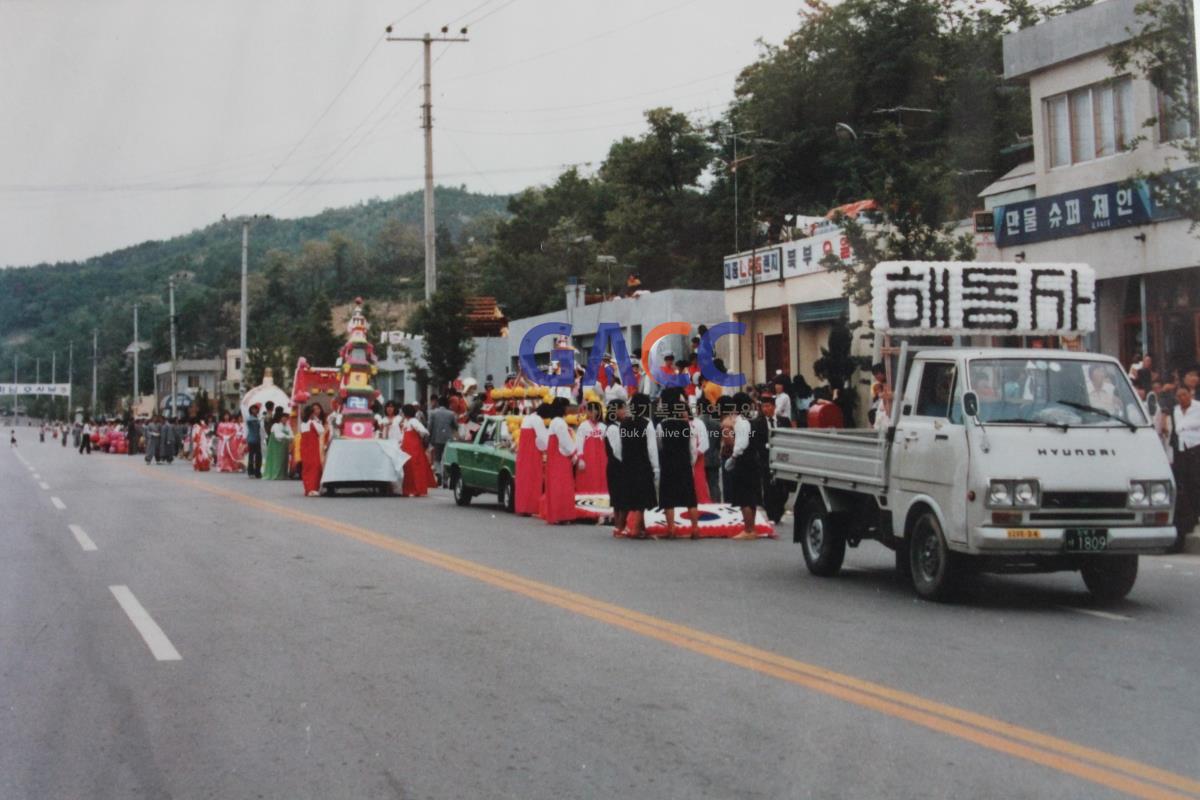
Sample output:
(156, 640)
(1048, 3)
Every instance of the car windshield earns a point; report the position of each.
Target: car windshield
(1054, 391)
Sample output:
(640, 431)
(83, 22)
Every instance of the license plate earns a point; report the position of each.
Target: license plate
(1085, 540)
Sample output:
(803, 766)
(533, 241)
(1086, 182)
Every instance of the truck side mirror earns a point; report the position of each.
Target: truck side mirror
(1152, 403)
(971, 404)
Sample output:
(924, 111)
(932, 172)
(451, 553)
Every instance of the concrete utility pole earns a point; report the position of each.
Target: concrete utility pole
(70, 378)
(15, 395)
(95, 345)
(427, 124)
(53, 365)
(135, 359)
(174, 378)
(245, 220)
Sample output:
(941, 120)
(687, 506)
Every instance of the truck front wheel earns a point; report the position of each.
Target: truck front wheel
(823, 543)
(1110, 578)
(933, 567)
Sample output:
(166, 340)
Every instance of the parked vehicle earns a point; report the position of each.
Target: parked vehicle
(996, 460)
(485, 465)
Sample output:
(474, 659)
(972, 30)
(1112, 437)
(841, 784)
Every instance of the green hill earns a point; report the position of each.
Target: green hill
(373, 249)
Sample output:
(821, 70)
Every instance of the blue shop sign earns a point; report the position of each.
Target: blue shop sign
(1083, 211)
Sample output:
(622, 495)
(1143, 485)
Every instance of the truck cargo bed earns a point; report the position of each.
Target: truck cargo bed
(849, 459)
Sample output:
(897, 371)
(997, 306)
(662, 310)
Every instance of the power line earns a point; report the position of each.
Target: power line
(352, 133)
(314, 125)
(461, 17)
(573, 45)
(490, 13)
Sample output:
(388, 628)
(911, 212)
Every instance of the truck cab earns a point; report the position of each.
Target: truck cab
(996, 460)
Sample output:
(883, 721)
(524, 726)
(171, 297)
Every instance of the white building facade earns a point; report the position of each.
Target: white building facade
(1078, 200)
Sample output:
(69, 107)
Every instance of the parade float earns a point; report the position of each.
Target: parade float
(357, 458)
(265, 392)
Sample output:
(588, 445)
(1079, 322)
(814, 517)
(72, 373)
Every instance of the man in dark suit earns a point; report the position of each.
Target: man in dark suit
(774, 494)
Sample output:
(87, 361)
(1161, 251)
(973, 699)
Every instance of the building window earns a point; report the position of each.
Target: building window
(193, 381)
(1172, 125)
(1091, 122)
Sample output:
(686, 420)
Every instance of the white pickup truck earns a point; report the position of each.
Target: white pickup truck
(995, 460)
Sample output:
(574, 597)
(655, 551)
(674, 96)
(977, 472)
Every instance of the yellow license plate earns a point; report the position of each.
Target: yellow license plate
(1024, 533)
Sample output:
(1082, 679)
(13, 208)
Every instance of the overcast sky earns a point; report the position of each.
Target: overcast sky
(129, 120)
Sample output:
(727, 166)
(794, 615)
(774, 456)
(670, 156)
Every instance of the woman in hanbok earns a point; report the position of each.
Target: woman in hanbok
(638, 451)
(279, 442)
(531, 443)
(227, 432)
(591, 466)
(558, 499)
(418, 473)
(240, 448)
(392, 426)
(699, 475)
(677, 441)
(612, 448)
(201, 446)
(312, 448)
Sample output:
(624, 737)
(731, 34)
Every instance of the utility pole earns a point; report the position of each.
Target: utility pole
(133, 403)
(245, 220)
(174, 378)
(427, 124)
(53, 397)
(245, 256)
(15, 390)
(70, 378)
(95, 345)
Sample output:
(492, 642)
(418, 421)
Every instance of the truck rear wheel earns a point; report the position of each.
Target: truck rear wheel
(1110, 578)
(935, 570)
(823, 543)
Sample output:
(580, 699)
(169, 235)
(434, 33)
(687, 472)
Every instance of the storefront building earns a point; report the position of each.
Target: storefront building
(788, 302)
(1080, 199)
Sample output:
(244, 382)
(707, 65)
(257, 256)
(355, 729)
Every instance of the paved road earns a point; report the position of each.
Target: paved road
(228, 638)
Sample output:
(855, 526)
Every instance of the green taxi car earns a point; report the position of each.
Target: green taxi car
(487, 465)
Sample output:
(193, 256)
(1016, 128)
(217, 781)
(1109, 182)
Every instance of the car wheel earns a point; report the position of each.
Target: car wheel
(462, 495)
(1110, 578)
(935, 570)
(505, 494)
(821, 539)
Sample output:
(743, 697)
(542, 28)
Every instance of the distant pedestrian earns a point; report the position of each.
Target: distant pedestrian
(443, 423)
(1185, 463)
(12, 438)
(253, 443)
(85, 437)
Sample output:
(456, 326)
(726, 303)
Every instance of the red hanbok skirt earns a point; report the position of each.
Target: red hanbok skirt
(310, 461)
(558, 502)
(593, 479)
(529, 474)
(418, 474)
(700, 479)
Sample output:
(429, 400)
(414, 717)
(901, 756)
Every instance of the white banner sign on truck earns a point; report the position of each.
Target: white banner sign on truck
(963, 298)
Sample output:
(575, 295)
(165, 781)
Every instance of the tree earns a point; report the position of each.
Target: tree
(313, 335)
(837, 367)
(442, 323)
(1163, 48)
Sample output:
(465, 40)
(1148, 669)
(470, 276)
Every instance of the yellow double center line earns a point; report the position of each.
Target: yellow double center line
(1114, 772)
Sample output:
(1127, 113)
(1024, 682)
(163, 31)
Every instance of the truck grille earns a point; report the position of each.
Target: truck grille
(1083, 500)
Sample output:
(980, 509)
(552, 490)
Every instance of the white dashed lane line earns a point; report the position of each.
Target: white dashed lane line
(1092, 612)
(59, 504)
(84, 540)
(160, 646)
(44, 485)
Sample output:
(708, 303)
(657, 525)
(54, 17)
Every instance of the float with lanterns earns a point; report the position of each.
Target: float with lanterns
(357, 458)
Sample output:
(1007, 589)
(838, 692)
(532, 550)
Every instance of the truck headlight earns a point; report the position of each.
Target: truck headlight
(1025, 494)
(999, 495)
(1139, 497)
(1159, 493)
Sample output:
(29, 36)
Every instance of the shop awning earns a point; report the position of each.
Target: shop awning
(823, 310)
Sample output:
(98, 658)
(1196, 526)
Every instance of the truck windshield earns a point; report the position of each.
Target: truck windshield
(1054, 391)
